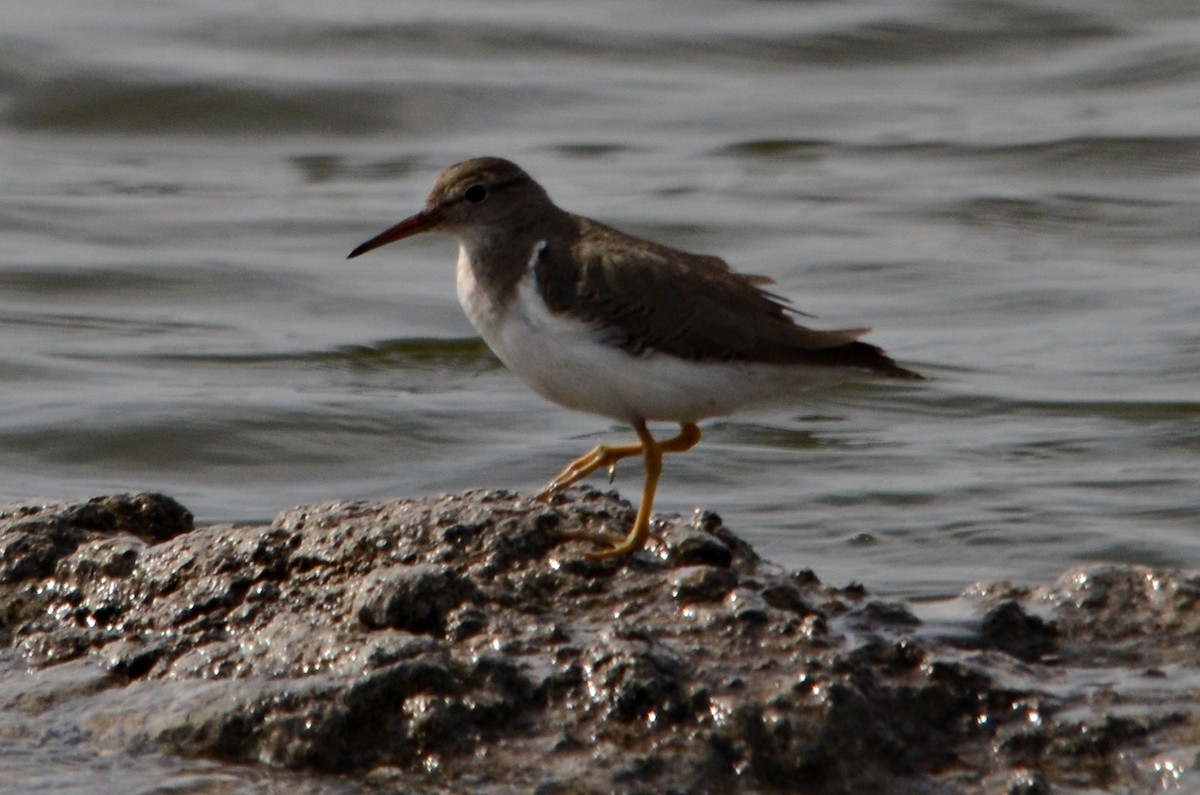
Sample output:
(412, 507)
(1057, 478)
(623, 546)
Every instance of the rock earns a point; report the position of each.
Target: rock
(1025, 782)
(1009, 628)
(37, 537)
(415, 598)
(701, 583)
(454, 644)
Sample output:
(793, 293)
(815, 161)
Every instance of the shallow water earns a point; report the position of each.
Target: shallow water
(1007, 192)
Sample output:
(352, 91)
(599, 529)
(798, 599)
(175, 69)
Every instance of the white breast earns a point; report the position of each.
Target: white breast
(567, 361)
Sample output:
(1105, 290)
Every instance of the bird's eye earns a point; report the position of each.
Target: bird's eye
(475, 194)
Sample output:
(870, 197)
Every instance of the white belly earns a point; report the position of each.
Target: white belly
(566, 362)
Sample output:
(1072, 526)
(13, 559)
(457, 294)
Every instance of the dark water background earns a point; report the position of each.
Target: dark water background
(1006, 191)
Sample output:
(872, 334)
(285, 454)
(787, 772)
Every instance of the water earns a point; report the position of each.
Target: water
(1007, 192)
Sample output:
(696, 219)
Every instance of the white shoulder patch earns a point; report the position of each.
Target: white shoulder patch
(538, 249)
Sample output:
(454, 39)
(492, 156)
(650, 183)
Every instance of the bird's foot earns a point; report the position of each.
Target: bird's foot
(612, 546)
(603, 456)
(606, 456)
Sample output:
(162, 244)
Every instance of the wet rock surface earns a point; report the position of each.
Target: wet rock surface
(452, 644)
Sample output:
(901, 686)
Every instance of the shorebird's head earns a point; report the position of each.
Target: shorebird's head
(470, 198)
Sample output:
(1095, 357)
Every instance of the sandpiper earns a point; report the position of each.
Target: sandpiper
(603, 322)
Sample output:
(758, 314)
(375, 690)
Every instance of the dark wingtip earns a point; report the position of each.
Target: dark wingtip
(886, 366)
(872, 357)
(905, 373)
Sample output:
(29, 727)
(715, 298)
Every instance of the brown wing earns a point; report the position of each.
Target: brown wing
(692, 306)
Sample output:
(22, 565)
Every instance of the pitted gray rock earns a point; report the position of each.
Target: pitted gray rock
(455, 644)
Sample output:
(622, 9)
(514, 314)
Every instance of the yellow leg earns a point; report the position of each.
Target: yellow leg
(604, 456)
(687, 438)
(652, 452)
